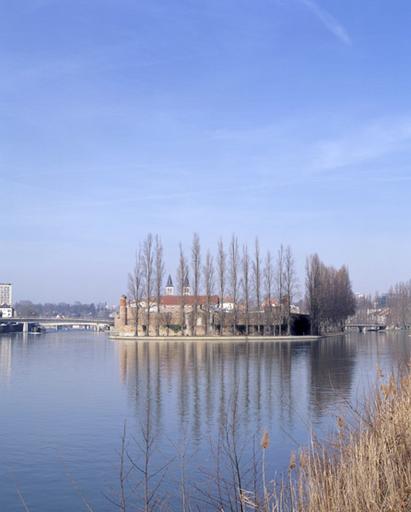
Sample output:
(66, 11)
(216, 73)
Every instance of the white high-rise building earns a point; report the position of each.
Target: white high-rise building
(6, 294)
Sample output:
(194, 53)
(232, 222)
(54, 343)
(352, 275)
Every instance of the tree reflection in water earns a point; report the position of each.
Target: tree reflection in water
(281, 388)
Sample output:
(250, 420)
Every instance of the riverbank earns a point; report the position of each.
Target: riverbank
(218, 339)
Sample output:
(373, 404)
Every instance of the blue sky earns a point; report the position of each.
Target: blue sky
(286, 119)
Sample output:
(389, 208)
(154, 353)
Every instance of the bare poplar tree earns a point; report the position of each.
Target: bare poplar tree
(196, 270)
(148, 269)
(279, 279)
(135, 287)
(268, 289)
(208, 276)
(290, 284)
(257, 281)
(246, 288)
(182, 276)
(159, 277)
(221, 270)
(313, 291)
(234, 261)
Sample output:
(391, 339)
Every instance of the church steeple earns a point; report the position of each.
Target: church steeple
(186, 287)
(169, 286)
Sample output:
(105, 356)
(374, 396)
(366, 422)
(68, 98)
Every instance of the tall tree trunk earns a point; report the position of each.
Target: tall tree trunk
(159, 276)
(234, 280)
(268, 283)
(221, 265)
(196, 270)
(135, 286)
(246, 288)
(257, 282)
(182, 276)
(148, 260)
(208, 276)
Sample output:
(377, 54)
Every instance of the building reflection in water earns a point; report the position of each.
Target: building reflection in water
(9, 343)
(6, 348)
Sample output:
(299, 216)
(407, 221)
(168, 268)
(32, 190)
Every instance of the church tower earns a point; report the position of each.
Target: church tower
(186, 287)
(169, 286)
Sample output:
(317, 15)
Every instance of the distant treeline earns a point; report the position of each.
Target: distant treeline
(28, 309)
(264, 284)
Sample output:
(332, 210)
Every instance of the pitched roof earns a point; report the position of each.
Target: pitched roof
(188, 300)
(169, 282)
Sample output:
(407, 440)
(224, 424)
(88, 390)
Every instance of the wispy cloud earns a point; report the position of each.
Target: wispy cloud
(275, 152)
(367, 143)
(329, 22)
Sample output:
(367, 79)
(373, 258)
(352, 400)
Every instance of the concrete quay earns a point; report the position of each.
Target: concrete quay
(218, 339)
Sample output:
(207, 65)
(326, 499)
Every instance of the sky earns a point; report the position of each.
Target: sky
(289, 120)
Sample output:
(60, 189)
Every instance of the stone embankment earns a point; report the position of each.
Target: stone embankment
(218, 339)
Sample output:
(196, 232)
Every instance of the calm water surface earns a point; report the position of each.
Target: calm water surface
(65, 397)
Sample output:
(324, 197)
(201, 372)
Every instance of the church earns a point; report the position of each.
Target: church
(175, 314)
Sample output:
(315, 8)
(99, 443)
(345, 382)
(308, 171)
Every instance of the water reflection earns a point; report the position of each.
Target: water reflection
(190, 385)
(6, 348)
(332, 363)
(70, 392)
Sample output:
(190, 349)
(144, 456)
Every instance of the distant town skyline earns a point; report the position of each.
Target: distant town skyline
(290, 121)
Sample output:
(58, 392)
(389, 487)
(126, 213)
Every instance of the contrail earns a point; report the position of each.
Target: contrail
(329, 22)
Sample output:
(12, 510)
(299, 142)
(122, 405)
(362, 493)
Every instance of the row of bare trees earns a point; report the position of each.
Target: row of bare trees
(145, 282)
(255, 292)
(329, 296)
(246, 283)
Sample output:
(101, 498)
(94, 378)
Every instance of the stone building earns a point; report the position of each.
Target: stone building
(174, 315)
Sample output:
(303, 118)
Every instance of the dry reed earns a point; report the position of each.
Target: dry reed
(365, 468)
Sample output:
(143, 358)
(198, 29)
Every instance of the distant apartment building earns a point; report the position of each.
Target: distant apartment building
(6, 300)
(6, 294)
(6, 312)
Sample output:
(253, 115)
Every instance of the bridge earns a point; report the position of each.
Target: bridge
(100, 324)
(365, 326)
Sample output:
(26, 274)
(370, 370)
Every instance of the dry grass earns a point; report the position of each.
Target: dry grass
(366, 467)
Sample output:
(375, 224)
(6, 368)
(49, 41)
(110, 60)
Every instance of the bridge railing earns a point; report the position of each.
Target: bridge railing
(106, 321)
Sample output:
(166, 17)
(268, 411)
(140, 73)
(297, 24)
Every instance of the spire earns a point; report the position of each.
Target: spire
(186, 287)
(169, 286)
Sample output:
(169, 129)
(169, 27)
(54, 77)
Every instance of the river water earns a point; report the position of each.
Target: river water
(66, 397)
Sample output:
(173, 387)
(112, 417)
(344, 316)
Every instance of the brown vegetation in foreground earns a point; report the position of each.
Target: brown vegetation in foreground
(366, 468)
